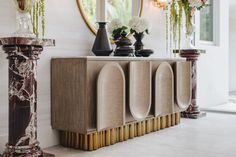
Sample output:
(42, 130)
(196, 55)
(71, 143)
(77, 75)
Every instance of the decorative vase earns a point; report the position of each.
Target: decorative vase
(102, 46)
(123, 46)
(23, 18)
(190, 37)
(138, 44)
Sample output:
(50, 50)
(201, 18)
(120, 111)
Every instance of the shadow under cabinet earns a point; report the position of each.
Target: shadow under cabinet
(98, 101)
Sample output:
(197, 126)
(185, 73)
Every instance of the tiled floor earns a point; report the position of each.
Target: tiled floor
(212, 136)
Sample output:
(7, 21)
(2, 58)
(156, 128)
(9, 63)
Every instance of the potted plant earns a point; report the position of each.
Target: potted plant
(187, 8)
(116, 28)
(30, 12)
(138, 27)
(119, 36)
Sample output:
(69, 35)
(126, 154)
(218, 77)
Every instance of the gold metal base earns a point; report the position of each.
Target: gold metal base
(109, 137)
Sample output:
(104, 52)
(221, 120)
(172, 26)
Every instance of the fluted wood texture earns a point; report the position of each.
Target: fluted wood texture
(183, 85)
(164, 90)
(140, 89)
(110, 97)
(74, 94)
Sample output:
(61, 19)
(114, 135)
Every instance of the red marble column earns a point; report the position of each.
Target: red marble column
(23, 55)
(193, 111)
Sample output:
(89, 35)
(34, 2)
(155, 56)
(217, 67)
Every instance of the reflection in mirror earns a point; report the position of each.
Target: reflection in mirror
(117, 9)
(106, 10)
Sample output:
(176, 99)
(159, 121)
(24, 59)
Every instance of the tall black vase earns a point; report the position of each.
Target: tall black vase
(138, 44)
(102, 46)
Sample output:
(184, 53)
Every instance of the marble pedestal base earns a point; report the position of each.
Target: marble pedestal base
(193, 115)
(44, 155)
(23, 54)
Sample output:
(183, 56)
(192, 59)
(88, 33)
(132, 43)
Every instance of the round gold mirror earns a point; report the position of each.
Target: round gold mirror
(106, 10)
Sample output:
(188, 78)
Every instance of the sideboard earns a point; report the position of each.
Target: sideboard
(99, 101)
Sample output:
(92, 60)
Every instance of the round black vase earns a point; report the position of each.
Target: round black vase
(138, 44)
(102, 46)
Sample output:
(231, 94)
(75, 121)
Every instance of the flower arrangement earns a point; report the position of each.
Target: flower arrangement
(178, 8)
(138, 25)
(116, 28)
(37, 10)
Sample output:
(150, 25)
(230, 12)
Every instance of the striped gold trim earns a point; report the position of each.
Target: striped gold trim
(109, 137)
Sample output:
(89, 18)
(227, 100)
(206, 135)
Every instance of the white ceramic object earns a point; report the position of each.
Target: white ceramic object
(110, 97)
(183, 85)
(140, 89)
(164, 90)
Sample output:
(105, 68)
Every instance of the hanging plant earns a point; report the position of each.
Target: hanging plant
(38, 15)
(178, 8)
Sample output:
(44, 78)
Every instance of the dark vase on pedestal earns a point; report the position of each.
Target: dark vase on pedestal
(102, 45)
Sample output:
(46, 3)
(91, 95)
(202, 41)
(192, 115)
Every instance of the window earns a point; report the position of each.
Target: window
(207, 23)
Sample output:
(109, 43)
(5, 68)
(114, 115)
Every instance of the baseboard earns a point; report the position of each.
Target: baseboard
(218, 111)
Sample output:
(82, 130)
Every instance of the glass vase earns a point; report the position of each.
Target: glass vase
(190, 37)
(23, 18)
(24, 25)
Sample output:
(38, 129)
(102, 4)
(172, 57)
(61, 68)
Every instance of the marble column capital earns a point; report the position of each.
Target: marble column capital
(21, 41)
(190, 54)
(24, 48)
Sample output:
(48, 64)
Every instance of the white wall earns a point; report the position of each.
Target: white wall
(232, 45)
(73, 38)
(213, 70)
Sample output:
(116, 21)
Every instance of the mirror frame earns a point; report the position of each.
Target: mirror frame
(88, 23)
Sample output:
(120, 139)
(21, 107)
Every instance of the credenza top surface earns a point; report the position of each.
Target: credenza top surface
(104, 58)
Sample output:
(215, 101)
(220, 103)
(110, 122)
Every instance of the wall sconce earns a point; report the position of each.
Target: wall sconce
(160, 3)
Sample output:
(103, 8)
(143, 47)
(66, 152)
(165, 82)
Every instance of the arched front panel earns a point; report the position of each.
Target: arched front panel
(140, 89)
(183, 85)
(110, 97)
(164, 90)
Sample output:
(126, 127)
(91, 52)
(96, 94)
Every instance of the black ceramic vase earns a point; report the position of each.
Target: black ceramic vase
(102, 46)
(138, 44)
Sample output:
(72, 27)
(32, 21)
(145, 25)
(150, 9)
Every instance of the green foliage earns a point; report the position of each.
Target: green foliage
(89, 7)
(117, 33)
(174, 20)
(188, 18)
(177, 7)
(37, 13)
(133, 31)
(121, 9)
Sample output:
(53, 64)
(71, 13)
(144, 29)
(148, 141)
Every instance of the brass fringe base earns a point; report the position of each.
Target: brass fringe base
(109, 137)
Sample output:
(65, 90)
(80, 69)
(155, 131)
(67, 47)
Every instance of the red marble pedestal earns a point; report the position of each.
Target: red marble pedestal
(193, 111)
(23, 55)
